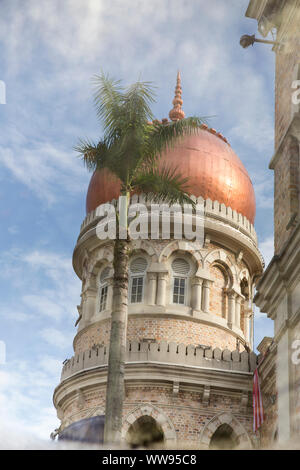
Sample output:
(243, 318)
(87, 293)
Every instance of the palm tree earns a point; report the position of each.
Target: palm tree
(130, 149)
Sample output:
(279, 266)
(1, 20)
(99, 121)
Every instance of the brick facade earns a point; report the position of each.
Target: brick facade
(185, 413)
(164, 329)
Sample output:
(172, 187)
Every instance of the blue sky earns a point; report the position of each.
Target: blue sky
(49, 50)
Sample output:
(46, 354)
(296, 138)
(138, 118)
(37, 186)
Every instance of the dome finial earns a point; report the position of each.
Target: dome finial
(177, 112)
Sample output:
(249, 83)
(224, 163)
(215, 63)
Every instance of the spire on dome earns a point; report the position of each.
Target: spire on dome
(177, 112)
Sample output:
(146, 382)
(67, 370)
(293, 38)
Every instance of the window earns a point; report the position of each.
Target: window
(137, 276)
(181, 269)
(103, 289)
(179, 290)
(137, 289)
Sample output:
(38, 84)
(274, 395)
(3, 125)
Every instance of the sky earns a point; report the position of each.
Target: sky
(49, 51)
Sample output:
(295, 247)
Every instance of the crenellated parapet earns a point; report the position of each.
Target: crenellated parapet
(222, 226)
(165, 353)
(212, 209)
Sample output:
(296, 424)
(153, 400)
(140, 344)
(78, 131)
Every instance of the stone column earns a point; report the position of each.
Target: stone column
(247, 325)
(238, 301)
(161, 288)
(206, 293)
(110, 289)
(88, 304)
(196, 293)
(151, 293)
(231, 308)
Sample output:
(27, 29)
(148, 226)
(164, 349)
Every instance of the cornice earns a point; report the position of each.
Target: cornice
(223, 225)
(196, 317)
(281, 274)
(255, 9)
(292, 130)
(161, 373)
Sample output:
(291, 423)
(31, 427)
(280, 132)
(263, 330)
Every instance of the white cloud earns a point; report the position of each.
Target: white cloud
(266, 247)
(156, 38)
(43, 167)
(24, 390)
(16, 316)
(13, 229)
(29, 273)
(263, 326)
(43, 305)
(61, 298)
(56, 338)
(50, 365)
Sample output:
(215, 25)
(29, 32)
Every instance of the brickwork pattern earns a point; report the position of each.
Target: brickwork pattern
(160, 329)
(185, 412)
(164, 353)
(218, 300)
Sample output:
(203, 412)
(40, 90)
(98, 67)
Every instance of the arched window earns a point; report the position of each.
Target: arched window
(181, 269)
(218, 298)
(145, 431)
(103, 289)
(223, 438)
(245, 288)
(138, 268)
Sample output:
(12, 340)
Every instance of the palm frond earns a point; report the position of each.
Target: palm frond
(108, 96)
(136, 103)
(163, 185)
(95, 156)
(162, 136)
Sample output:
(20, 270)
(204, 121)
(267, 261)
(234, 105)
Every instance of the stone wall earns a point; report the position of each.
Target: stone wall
(184, 417)
(286, 191)
(212, 209)
(286, 146)
(161, 329)
(163, 352)
(287, 59)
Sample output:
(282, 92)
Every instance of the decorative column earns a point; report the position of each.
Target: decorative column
(206, 294)
(152, 282)
(110, 285)
(231, 308)
(247, 315)
(196, 293)
(88, 304)
(161, 289)
(238, 301)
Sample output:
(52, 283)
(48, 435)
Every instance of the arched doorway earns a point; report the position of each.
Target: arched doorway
(239, 434)
(144, 432)
(224, 438)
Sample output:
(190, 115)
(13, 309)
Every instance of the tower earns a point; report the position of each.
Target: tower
(278, 292)
(188, 375)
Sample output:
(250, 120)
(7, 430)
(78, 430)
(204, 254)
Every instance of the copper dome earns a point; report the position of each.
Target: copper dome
(214, 171)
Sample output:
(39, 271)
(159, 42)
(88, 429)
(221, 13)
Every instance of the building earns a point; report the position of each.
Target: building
(278, 292)
(189, 367)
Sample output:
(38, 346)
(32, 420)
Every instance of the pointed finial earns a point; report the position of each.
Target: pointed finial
(177, 112)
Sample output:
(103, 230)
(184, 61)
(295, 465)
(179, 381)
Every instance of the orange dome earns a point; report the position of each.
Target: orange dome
(213, 169)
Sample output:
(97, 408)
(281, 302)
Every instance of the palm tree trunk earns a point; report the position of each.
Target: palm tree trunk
(117, 346)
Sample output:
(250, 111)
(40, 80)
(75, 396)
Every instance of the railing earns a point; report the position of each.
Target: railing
(165, 353)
